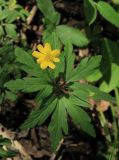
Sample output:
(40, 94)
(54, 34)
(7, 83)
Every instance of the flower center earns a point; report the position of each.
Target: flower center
(49, 57)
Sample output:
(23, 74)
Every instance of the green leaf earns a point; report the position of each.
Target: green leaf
(60, 67)
(43, 94)
(5, 152)
(53, 39)
(5, 49)
(90, 11)
(51, 21)
(110, 65)
(11, 96)
(46, 7)
(52, 17)
(74, 36)
(78, 100)
(86, 67)
(93, 92)
(24, 57)
(13, 14)
(4, 141)
(8, 153)
(12, 4)
(114, 80)
(14, 84)
(40, 115)
(3, 13)
(115, 2)
(69, 60)
(28, 63)
(108, 12)
(95, 76)
(23, 14)
(2, 2)
(11, 30)
(27, 84)
(1, 31)
(79, 116)
(58, 124)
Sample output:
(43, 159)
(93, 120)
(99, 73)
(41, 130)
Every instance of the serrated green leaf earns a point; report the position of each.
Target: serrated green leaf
(28, 63)
(44, 94)
(40, 115)
(90, 11)
(86, 67)
(27, 84)
(95, 76)
(14, 84)
(58, 124)
(5, 49)
(71, 35)
(69, 59)
(24, 57)
(94, 92)
(3, 13)
(79, 116)
(12, 4)
(13, 14)
(108, 12)
(79, 101)
(11, 30)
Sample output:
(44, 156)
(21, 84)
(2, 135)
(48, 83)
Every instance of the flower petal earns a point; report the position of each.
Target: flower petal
(40, 48)
(51, 65)
(44, 65)
(36, 54)
(56, 52)
(42, 57)
(56, 59)
(47, 48)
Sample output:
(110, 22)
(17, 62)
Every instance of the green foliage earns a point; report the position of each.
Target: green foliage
(85, 68)
(59, 100)
(108, 12)
(90, 11)
(3, 152)
(65, 92)
(74, 36)
(110, 65)
(10, 12)
(7, 70)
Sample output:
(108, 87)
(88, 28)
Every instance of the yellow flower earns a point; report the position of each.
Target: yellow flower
(46, 56)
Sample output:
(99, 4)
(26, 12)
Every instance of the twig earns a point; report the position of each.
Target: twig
(58, 148)
(31, 16)
(15, 144)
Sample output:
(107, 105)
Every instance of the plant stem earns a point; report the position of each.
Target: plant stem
(103, 122)
(117, 96)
